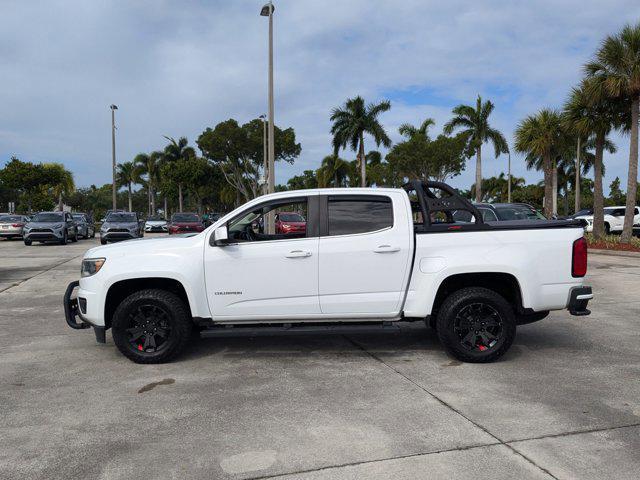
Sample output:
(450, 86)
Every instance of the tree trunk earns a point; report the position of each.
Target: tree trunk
(479, 174)
(149, 199)
(555, 187)
(165, 208)
(598, 196)
(363, 163)
(180, 197)
(632, 178)
(566, 196)
(60, 201)
(130, 199)
(548, 188)
(153, 200)
(577, 180)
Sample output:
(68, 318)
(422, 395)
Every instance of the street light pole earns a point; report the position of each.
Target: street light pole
(267, 11)
(509, 180)
(113, 153)
(264, 154)
(577, 188)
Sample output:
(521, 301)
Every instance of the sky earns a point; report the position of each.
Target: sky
(177, 67)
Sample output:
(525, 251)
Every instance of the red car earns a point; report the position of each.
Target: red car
(290, 222)
(185, 223)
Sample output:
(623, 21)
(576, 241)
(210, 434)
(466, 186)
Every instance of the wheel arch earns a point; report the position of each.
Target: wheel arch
(119, 290)
(505, 284)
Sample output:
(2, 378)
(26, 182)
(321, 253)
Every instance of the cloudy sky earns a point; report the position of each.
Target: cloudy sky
(177, 67)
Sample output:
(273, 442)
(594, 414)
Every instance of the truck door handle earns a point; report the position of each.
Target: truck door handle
(298, 254)
(386, 249)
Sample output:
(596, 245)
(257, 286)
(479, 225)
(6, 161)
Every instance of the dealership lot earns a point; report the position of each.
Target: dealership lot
(563, 403)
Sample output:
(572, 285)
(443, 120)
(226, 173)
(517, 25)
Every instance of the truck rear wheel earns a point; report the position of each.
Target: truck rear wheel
(151, 326)
(476, 325)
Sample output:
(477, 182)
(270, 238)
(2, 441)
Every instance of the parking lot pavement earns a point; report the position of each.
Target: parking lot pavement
(563, 403)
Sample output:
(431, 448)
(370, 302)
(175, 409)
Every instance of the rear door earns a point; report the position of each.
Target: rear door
(365, 253)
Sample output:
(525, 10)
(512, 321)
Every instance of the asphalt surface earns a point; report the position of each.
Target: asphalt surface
(563, 403)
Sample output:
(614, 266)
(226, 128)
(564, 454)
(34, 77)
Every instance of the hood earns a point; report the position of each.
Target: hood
(156, 222)
(143, 245)
(119, 225)
(44, 224)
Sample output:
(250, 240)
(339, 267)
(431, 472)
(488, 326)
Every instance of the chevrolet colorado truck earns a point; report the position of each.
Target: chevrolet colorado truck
(367, 257)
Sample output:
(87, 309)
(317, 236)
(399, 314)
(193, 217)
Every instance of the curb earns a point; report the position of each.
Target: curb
(613, 253)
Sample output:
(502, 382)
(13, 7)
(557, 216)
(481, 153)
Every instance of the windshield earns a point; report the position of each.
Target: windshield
(121, 217)
(48, 217)
(155, 219)
(185, 217)
(78, 216)
(290, 217)
(517, 212)
(10, 218)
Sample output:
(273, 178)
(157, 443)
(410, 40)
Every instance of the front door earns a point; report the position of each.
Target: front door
(365, 255)
(266, 273)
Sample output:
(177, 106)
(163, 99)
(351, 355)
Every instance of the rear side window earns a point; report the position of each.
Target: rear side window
(351, 215)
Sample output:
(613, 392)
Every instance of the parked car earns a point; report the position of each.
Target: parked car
(501, 212)
(290, 223)
(369, 256)
(86, 228)
(613, 219)
(155, 225)
(120, 226)
(11, 226)
(50, 226)
(185, 223)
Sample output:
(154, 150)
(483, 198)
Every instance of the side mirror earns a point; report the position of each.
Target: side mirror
(221, 236)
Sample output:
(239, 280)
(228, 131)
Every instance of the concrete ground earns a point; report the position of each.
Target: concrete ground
(563, 403)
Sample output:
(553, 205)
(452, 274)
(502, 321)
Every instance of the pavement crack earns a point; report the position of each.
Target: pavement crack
(574, 432)
(450, 407)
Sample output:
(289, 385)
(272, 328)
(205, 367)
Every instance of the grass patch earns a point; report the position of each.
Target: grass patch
(612, 242)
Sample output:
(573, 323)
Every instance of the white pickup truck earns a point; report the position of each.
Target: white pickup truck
(356, 257)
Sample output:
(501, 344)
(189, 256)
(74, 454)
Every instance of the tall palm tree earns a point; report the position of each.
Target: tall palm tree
(616, 68)
(477, 131)
(352, 121)
(177, 151)
(148, 165)
(64, 184)
(333, 168)
(587, 113)
(409, 131)
(128, 174)
(540, 136)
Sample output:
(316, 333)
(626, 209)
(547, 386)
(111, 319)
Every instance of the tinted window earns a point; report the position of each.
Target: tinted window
(488, 215)
(11, 218)
(185, 217)
(290, 217)
(349, 216)
(48, 217)
(121, 217)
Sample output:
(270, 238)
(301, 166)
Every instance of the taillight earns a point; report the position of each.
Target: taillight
(579, 258)
(17, 225)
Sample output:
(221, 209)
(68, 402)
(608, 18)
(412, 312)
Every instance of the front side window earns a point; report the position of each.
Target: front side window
(271, 221)
(353, 215)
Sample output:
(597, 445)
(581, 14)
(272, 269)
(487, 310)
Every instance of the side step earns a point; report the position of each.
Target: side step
(297, 329)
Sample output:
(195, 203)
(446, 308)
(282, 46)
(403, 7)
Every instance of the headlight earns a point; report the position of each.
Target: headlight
(58, 226)
(91, 266)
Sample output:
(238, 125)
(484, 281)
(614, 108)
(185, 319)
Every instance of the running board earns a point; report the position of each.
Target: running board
(289, 329)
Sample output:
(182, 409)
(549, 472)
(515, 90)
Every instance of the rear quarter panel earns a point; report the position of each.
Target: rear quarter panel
(539, 259)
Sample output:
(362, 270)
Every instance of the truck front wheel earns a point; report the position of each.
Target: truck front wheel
(151, 326)
(476, 325)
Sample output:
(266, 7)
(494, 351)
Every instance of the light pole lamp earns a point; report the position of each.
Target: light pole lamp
(113, 153)
(267, 11)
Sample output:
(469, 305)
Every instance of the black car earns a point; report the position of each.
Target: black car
(500, 212)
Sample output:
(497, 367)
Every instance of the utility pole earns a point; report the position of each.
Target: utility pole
(265, 168)
(113, 154)
(509, 180)
(577, 188)
(267, 11)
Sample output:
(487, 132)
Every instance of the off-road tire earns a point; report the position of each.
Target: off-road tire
(180, 321)
(465, 297)
(27, 242)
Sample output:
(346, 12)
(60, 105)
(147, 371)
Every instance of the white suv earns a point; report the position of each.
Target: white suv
(613, 219)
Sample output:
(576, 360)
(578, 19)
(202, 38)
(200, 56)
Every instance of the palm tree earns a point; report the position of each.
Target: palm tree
(335, 169)
(616, 68)
(64, 184)
(148, 164)
(587, 113)
(540, 136)
(177, 151)
(477, 131)
(128, 174)
(409, 131)
(352, 121)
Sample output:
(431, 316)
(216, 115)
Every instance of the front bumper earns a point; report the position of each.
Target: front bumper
(578, 299)
(156, 228)
(43, 235)
(115, 236)
(72, 313)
